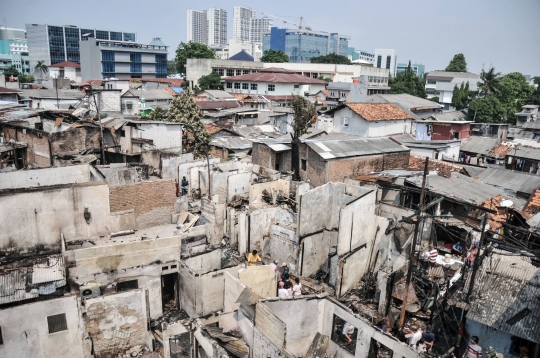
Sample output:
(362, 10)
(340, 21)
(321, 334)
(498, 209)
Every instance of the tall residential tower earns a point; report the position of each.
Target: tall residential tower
(242, 17)
(208, 27)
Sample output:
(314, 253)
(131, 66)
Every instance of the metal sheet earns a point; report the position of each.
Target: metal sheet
(279, 147)
(51, 270)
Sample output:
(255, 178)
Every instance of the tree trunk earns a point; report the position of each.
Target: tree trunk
(296, 158)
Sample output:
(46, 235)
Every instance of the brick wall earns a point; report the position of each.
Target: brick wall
(262, 155)
(397, 161)
(153, 201)
(263, 347)
(117, 322)
(75, 139)
(315, 166)
(37, 142)
(221, 153)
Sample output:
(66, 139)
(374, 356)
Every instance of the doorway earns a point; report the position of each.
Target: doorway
(169, 291)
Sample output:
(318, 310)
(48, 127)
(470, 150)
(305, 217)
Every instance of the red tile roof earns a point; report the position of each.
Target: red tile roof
(66, 64)
(276, 75)
(501, 150)
(212, 128)
(9, 90)
(379, 111)
(533, 205)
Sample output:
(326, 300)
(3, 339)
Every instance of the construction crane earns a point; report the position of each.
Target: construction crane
(300, 26)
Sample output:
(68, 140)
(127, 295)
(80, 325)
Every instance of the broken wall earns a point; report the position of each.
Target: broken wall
(169, 166)
(356, 223)
(238, 184)
(260, 279)
(214, 212)
(315, 252)
(36, 217)
(206, 262)
(117, 322)
(31, 338)
(185, 170)
(256, 190)
(152, 201)
(261, 221)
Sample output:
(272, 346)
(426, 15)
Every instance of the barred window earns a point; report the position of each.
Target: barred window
(57, 323)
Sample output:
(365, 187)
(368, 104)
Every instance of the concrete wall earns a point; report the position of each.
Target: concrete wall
(117, 322)
(490, 337)
(46, 177)
(205, 263)
(169, 166)
(184, 170)
(31, 338)
(357, 223)
(164, 136)
(42, 215)
(255, 190)
(360, 127)
(260, 279)
(261, 221)
(269, 324)
(315, 252)
(238, 184)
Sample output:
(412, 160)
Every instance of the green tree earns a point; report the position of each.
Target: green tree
(458, 64)
(26, 79)
(322, 78)
(407, 82)
(514, 92)
(274, 56)
(486, 110)
(171, 67)
(191, 50)
(461, 96)
(332, 58)
(489, 82)
(195, 138)
(158, 114)
(210, 82)
(434, 99)
(41, 68)
(24, 53)
(11, 71)
(535, 96)
(304, 114)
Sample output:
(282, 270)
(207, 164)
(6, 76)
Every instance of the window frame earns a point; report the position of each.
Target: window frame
(126, 285)
(271, 88)
(253, 87)
(56, 319)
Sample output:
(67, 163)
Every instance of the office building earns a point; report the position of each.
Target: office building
(441, 84)
(386, 58)
(13, 46)
(302, 44)
(55, 44)
(257, 29)
(360, 55)
(197, 29)
(121, 59)
(7, 33)
(241, 23)
(417, 68)
(208, 27)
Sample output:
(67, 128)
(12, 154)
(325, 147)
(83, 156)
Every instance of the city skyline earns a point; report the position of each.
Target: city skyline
(427, 32)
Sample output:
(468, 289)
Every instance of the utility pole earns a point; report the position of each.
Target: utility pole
(100, 126)
(55, 80)
(477, 258)
(413, 245)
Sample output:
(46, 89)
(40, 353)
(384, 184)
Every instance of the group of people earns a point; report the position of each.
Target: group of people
(428, 339)
(472, 252)
(286, 286)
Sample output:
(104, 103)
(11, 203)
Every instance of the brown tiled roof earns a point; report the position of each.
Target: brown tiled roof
(213, 128)
(379, 111)
(501, 150)
(66, 64)
(8, 90)
(218, 104)
(239, 96)
(200, 99)
(533, 205)
(275, 75)
(170, 91)
(443, 169)
(173, 82)
(279, 98)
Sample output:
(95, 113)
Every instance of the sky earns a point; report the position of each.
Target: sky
(500, 33)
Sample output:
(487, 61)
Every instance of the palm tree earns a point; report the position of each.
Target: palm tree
(41, 67)
(490, 82)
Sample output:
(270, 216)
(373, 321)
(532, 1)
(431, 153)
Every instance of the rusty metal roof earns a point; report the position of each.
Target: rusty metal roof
(506, 296)
(234, 345)
(248, 297)
(52, 270)
(13, 286)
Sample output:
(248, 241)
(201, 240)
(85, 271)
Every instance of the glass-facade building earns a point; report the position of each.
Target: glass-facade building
(301, 45)
(54, 44)
(417, 68)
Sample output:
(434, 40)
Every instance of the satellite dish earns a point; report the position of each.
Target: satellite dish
(507, 203)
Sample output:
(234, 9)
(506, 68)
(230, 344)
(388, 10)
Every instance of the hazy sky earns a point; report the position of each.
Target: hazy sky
(504, 33)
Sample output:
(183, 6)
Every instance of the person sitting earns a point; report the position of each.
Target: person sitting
(458, 248)
(253, 258)
(282, 292)
(348, 330)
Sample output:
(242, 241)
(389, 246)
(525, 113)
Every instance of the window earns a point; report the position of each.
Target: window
(161, 68)
(161, 58)
(271, 88)
(135, 67)
(245, 86)
(129, 36)
(230, 72)
(237, 85)
(388, 60)
(345, 121)
(107, 67)
(57, 323)
(229, 84)
(296, 86)
(245, 72)
(304, 164)
(253, 86)
(238, 72)
(342, 332)
(127, 285)
(107, 56)
(102, 35)
(379, 60)
(332, 94)
(343, 94)
(116, 36)
(219, 71)
(135, 57)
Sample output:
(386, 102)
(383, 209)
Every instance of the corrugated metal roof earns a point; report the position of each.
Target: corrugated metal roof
(354, 147)
(479, 145)
(517, 181)
(13, 286)
(236, 346)
(52, 270)
(527, 153)
(232, 142)
(248, 297)
(506, 285)
(279, 147)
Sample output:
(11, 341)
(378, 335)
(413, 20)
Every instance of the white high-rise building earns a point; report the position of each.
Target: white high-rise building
(217, 27)
(242, 17)
(259, 27)
(207, 26)
(197, 26)
(386, 58)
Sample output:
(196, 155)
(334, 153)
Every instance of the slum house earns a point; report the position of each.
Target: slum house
(529, 113)
(492, 130)
(421, 107)
(138, 101)
(52, 98)
(434, 149)
(519, 184)
(53, 138)
(438, 128)
(9, 95)
(13, 156)
(216, 95)
(138, 141)
(226, 143)
(477, 150)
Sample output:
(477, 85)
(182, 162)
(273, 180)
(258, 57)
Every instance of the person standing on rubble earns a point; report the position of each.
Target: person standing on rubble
(285, 273)
(282, 292)
(297, 289)
(184, 186)
(433, 255)
(253, 258)
(415, 338)
(473, 349)
(429, 339)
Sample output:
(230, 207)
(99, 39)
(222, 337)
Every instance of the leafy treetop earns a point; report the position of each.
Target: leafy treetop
(274, 56)
(210, 82)
(332, 58)
(407, 82)
(191, 50)
(458, 64)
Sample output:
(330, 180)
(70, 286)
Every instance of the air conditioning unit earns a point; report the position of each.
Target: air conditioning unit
(90, 290)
